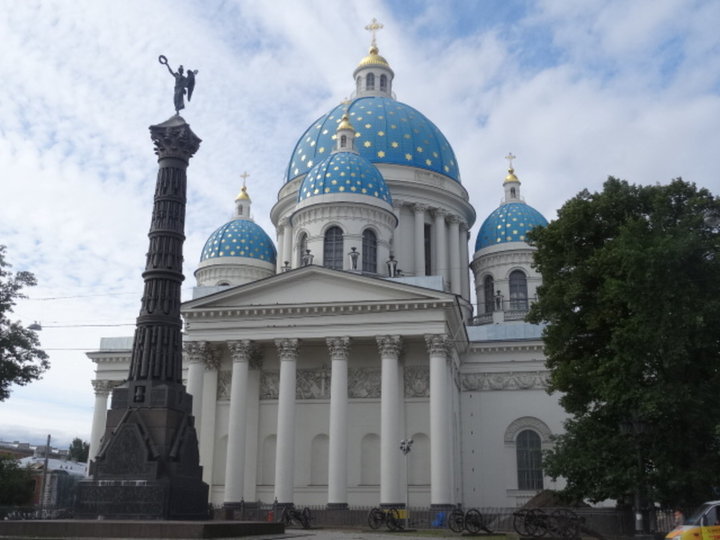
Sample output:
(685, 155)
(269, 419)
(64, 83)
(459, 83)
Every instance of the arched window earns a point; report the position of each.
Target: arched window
(369, 251)
(383, 83)
(512, 192)
(302, 248)
(489, 293)
(518, 291)
(343, 141)
(333, 248)
(529, 460)
(370, 81)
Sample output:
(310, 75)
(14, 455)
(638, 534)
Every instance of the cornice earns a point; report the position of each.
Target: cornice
(489, 347)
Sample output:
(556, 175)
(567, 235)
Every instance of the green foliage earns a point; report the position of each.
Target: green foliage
(16, 483)
(78, 450)
(631, 299)
(21, 359)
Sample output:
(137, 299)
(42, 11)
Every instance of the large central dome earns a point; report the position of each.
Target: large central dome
(387, 132)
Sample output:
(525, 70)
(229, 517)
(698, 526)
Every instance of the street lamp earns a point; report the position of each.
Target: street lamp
(405, 447)
(636, 427)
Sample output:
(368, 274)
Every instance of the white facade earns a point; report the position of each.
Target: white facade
(305, 378)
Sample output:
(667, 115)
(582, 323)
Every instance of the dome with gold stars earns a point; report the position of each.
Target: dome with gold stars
(344, 172)
(239, 238)
(387, 131)
(509, 223)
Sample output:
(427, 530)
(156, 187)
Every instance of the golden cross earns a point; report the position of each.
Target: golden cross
(510, 158)
(244, 177)
(373, 27)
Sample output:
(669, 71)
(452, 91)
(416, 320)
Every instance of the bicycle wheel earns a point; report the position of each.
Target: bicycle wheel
(473, 521)
(519, 522)
(456, 521)
(376, 517)
(305, 518)
(393, 519)
(285, 517)
(536, 522)
(565, 523)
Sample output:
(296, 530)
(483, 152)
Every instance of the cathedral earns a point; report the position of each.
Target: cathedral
(343, 365)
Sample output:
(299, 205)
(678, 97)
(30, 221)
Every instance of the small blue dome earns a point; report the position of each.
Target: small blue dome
(509, 223)
(239, 238)
(387, 132)
(344, 172)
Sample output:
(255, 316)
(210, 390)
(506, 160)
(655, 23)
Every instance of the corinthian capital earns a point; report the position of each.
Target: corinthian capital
(241, 351)
(339, 347)
(196, 351)
(287, 348)
(420, 208)
(389, 345)
(437, 344)
(102, 387)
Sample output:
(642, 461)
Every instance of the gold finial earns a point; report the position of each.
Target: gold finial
(345, 123)
(243, 195)
(373, 27)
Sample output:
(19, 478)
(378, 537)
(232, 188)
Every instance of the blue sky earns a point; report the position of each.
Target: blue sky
(576, 90)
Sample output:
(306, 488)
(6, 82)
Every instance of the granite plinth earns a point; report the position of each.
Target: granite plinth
(135, 529)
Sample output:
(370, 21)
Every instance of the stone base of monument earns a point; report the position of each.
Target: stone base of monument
(98, 528)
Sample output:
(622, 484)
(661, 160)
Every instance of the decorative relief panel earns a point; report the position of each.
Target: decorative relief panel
(364, 383)
(509, 380)
(417, 381)
(313, 384)
(223, 385)
(269, 384)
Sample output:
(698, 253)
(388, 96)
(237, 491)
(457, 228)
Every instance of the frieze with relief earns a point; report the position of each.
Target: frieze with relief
(417, 382)
(510, 380)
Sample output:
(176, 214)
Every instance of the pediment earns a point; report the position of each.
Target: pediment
(316, 285)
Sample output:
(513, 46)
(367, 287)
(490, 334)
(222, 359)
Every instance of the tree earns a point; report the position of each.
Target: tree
(79, 450)
(631, 299)
(17, 482)
(21, 359)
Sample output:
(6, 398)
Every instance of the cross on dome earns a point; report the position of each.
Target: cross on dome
(510, 158)
(373, 27)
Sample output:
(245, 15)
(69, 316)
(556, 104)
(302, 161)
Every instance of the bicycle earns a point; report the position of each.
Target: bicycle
(291, 514)
(389, 516)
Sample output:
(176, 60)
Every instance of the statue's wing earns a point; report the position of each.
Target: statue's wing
(190, 83)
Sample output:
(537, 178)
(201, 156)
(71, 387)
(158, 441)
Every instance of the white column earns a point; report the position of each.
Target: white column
(441, 260)
(455, 262)
(287, 251)
(240, 352)
(337, 460)
(207, 423)
(280, 248)
(285, 448)
(440, 422)
(419, 239)
(390, 431)
(196, 352)
(465, 260)
(102, 391)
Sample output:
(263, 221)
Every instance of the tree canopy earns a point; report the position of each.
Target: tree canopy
(78, 450)
(631, 302)
(21, 359)
(17, 482)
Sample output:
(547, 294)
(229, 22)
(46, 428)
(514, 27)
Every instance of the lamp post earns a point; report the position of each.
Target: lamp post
(405, 447)
(636, 427)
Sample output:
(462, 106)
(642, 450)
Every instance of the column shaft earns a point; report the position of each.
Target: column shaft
(207, 424)
(337, 460)
(455, 262)
(237, 426)
(288, 245)
(441, 258)
(464, 261)
(419, 240)
(102, 390)
(440, 422)
(390, 429)
(284, 457)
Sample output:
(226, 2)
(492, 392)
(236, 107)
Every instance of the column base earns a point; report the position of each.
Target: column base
(392, 505)
(441, 506)
(337, 506)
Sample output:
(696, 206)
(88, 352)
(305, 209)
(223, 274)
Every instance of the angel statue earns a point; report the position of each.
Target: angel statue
(182, 82)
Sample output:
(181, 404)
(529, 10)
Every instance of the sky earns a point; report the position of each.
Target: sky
(577, 91)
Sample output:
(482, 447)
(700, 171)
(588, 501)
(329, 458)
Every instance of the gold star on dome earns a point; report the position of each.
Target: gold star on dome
(381, 154)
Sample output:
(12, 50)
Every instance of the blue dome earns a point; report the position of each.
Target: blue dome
(239, 238)
(387, 132)
(509, 223)
(344, 172)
